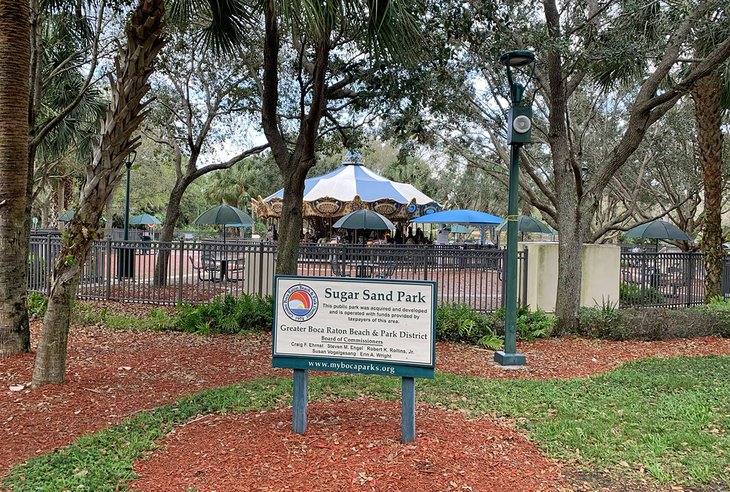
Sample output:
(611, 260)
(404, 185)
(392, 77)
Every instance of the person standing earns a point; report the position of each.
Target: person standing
(442, 236)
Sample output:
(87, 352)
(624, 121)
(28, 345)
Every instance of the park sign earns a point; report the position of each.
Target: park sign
(385, 327)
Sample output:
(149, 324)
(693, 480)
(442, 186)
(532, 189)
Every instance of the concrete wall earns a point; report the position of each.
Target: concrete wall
(600, 277)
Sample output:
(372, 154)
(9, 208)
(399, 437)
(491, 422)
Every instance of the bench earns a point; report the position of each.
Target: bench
(208, 269)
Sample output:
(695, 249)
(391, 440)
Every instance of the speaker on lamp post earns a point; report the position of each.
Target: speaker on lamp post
(520, 125)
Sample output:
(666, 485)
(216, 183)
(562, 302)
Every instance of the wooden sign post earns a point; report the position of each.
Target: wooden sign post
(385, 327)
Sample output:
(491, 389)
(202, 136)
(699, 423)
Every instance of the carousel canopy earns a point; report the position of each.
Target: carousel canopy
(352, 186)
(349, 180)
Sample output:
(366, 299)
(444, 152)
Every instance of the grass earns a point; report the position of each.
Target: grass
(669, 417)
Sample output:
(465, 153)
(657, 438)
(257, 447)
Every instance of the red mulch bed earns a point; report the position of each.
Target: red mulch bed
(114, 374)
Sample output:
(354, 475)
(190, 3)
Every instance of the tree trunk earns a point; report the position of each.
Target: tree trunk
(708, 117)
(14, 128)
(50, 361)
(125, 113)
(172, 214)
(290, 227)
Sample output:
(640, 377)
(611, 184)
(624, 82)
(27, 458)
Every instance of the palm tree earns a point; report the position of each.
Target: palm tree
(126, 110)
(134, 65)
(706, 94)
(711, 96)
(14, 97)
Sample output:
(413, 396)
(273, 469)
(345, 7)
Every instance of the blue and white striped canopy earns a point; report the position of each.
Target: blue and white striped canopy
(354, 179)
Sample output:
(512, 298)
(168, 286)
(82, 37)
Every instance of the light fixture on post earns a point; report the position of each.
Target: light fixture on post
(130, 160)
(125, 264)
(519, 132)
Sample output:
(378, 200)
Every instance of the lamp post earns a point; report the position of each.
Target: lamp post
(125, 263)
(130, 161)
(518, 134)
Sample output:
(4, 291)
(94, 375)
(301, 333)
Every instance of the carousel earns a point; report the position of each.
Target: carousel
(351, 187)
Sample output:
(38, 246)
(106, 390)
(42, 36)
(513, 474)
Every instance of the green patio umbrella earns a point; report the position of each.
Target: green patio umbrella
(144, 219)
(460, 229)
(525, 223)
(657, 229)
(364, 219)
(225, 215)
(67, 215)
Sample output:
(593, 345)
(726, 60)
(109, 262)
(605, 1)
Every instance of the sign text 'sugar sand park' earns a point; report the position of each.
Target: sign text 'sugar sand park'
(385, 327)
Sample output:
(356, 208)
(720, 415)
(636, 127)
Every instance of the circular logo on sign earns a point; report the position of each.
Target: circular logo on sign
(300, 302)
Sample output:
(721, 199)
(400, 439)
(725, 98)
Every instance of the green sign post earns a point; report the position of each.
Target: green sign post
(385, 327)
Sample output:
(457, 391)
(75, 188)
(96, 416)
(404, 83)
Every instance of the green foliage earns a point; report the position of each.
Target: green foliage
(534, 324)
(667, 417)
(637, 294)
(156, 319)
(461, 323)
(226, 315)
(655, 323)
(37, 304)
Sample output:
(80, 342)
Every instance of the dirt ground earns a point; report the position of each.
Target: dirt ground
(114, 374)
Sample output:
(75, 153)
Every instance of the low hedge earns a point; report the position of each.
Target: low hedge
(655, 323)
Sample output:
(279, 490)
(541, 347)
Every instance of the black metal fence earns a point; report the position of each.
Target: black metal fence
(197, 271)
(662, 279)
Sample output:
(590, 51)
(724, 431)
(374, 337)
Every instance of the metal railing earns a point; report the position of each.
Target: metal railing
(662, 279)
(197, 271)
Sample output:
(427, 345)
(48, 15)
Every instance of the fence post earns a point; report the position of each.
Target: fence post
(180, 266)
(690, 279)
(108, 279)
(261, 269)
(425, 266)
(48, 264)
(501, 275)
(523, 290)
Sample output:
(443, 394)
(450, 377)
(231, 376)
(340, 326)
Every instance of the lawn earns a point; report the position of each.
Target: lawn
(665, 418)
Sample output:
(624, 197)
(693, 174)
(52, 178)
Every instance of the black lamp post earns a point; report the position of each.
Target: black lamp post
(130, 160)
(125, 263)
(518, 134)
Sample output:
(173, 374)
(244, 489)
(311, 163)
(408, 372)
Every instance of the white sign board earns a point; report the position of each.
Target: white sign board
(330, 321)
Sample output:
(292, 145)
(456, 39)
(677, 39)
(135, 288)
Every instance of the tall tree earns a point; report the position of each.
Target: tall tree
(711, 96)
(14, 97)
(125, 112)
(579, 198)
(357, 34)
(203, 99)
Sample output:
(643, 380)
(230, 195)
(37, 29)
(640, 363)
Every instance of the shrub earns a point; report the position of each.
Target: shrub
(226, 315)
(461, 323)
(37, 304)
(636, 294)
(534, 324)
(655, 323)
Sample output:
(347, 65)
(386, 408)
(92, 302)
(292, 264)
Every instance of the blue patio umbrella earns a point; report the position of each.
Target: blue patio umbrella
(462, 217)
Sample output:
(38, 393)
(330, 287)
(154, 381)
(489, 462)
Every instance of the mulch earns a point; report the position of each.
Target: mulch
(348, 445)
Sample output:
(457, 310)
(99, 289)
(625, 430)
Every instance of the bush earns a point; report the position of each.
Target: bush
(655, 323)
(636, 294)
(37, 304)
(226, 315)
(534, 324)
(460, 323)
